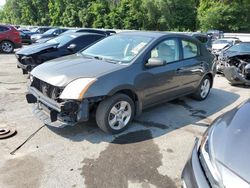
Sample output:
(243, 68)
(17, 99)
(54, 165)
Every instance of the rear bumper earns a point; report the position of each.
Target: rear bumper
(57, 114)
(192, 174)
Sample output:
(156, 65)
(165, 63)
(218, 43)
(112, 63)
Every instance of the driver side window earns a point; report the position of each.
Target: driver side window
(167, 50)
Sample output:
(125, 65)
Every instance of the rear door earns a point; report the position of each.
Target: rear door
(193, 65)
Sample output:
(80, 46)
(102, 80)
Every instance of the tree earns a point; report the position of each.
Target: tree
(224, 15)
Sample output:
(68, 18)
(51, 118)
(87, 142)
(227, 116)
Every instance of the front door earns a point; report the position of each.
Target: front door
(163, 82)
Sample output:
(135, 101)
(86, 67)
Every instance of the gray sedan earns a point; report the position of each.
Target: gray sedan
(221, 159)
(116, 78)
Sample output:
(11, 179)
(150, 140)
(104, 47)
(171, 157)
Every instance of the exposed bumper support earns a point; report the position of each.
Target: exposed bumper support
(57, 114)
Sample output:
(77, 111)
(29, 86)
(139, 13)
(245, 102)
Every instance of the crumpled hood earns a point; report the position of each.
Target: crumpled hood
(35, 48)
(230, 141)
(59, 72)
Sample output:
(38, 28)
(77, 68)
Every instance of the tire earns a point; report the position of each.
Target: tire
(204, 89)
(6, 47)
(114, 114)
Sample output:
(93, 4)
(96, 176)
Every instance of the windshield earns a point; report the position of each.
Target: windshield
(242, 47)
(61, 40)
(50, 31)
(118, 48)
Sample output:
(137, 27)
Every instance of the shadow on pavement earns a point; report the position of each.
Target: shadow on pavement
(160, 119)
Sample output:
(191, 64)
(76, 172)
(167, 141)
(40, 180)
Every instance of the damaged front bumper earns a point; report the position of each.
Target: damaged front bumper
(26, 63)
(56, 114)
(234, 77)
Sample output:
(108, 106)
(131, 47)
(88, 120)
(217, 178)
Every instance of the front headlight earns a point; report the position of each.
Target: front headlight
(77, 88)
(207, 160)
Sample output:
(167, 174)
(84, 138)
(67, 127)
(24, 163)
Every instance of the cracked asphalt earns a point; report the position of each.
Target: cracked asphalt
(151, 153)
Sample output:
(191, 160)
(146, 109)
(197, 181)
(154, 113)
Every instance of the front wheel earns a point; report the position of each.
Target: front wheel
(203, 89)
(114, 114)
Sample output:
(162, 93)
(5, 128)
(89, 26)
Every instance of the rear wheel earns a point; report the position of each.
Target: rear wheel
(114, 114)
(203, 89)
(7, 47)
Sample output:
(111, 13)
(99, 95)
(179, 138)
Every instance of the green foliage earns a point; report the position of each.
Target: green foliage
(224, 15)
(176, 15)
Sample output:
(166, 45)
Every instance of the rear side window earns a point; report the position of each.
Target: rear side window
(190, 49)
(3, 29)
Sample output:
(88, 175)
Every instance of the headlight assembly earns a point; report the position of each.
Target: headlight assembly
(208, 161)
(77, 88)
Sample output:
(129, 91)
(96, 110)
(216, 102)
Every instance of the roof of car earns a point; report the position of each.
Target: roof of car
(153, 34)
(81, 33)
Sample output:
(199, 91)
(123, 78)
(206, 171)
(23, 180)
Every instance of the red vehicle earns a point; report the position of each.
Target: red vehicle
(9, 39)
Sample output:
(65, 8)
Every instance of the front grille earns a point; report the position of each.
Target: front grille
(48, 90)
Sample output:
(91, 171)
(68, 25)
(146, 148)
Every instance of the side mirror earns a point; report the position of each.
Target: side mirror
(71, 47)
(155, 62)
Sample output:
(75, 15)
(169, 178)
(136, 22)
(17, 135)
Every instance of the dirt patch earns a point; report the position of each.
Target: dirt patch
(22, 172)
(130, 157)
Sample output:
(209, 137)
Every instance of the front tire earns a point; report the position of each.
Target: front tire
(203, 89)
(114, 114)
(6, 47)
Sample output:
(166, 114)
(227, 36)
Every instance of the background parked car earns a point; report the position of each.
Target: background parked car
(49, 34)
(9, 39)
(26, 37)
(89, 30)
(65, 44)
(40, 30)
(224, 43)
(221, 159)
(215, 34)
(233, 55)
(117, 77)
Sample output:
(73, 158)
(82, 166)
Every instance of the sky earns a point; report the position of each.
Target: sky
(2, 2)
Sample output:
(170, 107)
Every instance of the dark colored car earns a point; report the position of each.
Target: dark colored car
(66, 44)
(89, 30)
(234, 52)
(25, 36)
(221, 159)
(40, 30)
(9, 39)
(118, 77)
(51, 33)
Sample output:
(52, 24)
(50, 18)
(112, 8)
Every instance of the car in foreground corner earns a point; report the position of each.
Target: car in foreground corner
(65, 44)
(221, 158)
(119, 76)
(9, 39)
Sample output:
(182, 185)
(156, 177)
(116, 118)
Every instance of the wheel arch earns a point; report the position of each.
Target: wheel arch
(129, 91)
